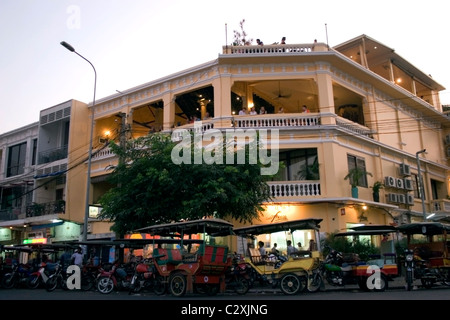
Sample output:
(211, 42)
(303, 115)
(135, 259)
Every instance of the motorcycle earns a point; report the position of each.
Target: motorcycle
(119, 278)
(237, 276)
(409, 267)
(41, 276)
(58, 278)
(418, 268)
(336, 272)
(17, 276)
(146, 277)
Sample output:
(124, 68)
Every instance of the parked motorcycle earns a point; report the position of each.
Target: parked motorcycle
(57, 279)
(18, 275)
(37, 278)
(237, 276)
(338, 273)
(119, 278)
(418, 268)
(146, 277)
(409, 267)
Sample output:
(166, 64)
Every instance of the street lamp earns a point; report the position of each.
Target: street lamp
(88, 183)
(422, 191)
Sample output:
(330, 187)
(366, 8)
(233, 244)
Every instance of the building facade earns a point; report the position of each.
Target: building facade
(367, 108)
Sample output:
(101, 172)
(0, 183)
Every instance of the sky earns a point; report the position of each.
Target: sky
(133, 42)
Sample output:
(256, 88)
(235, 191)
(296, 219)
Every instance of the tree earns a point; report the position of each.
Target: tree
(152, 189)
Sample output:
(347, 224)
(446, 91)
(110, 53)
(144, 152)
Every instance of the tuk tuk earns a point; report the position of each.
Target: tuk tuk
(291, 273)
(429, 244)
(356, 271)
(188, 256)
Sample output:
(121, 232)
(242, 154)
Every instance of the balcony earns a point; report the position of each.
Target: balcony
(52, 155)
(291, 190)
(34, 210)
(441, 205)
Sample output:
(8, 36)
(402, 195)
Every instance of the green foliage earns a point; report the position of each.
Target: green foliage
(377, 186)
(361, 247)
(152, 189)
(355, 174)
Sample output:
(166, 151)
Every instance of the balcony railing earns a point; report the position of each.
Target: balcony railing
(276, 121)
(52, 155)
(34, 210)
(441, 205)
(275, 48)
(288, 189)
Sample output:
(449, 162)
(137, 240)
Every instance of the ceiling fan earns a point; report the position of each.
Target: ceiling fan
(279, 95)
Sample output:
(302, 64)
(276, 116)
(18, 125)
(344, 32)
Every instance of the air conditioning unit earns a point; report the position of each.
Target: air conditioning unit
(392, 197)
(389, 181)
(405, 170)
(401, 198)
(408, 184)
(399, 183)
(409, 199)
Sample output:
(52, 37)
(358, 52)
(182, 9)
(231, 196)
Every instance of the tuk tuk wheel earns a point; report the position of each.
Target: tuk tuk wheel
(177, 284)
(383, 284)
(291, 284)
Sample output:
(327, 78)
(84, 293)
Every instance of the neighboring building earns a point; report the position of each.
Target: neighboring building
(368, 108)
(36, 162)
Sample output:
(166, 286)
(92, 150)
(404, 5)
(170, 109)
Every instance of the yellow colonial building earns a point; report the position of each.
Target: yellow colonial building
(367, 108)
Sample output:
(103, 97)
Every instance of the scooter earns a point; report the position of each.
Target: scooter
(42, 275)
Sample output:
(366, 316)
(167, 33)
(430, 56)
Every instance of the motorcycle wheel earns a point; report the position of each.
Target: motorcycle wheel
(87, 282)
(427, 283)
(8, 281)
(290, 284)
(105, 285)
(242, 286)
(409, 280)
(159, 287)
(177, 285)
(314, 282)
(51, 283)
(33, 281)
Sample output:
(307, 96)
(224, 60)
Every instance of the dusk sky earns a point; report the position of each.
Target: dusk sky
(137, 41)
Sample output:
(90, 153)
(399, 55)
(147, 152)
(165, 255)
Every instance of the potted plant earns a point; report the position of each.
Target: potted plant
(377, 186)
(354, 175)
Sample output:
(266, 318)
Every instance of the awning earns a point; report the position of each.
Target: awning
(48, 225)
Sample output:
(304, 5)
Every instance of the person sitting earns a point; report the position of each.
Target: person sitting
(290, 249)
(274, 249)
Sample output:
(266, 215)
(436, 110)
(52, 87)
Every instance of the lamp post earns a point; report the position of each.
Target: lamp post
(422, 189)
(88, 183)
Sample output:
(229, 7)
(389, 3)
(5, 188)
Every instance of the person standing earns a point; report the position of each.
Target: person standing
(77, 257)
(305, 109)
